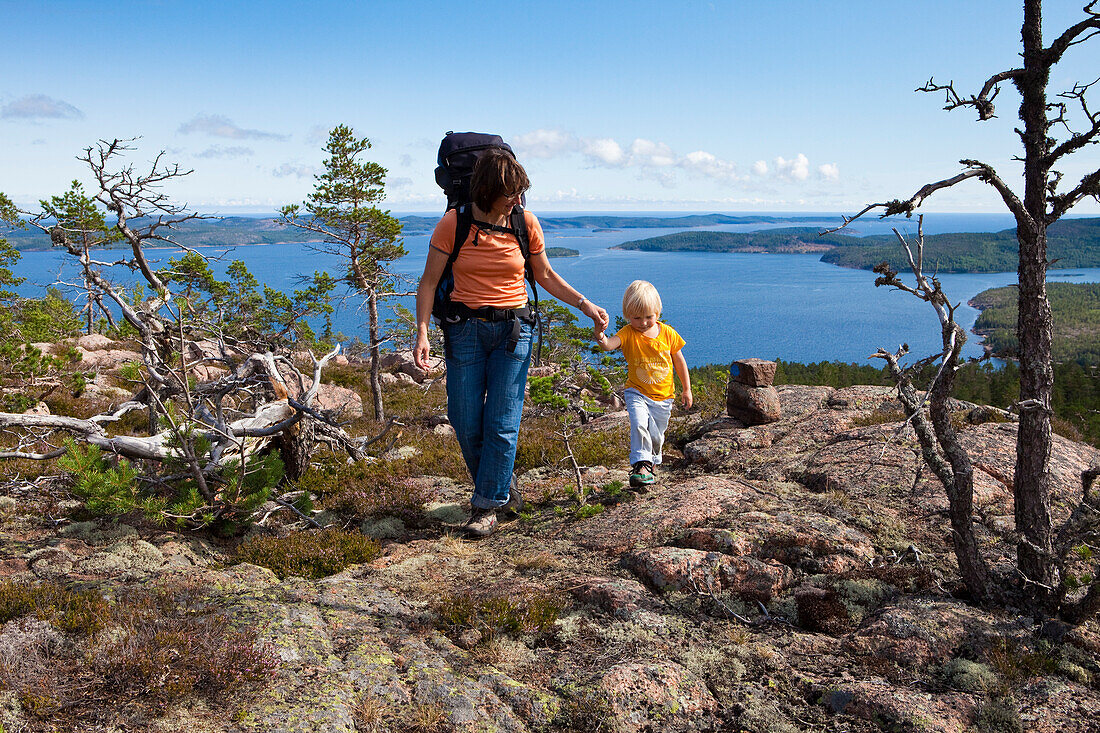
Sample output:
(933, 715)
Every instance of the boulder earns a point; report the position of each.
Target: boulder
(402, 362)
(752, 405)
(94, 342)
(108, 359)
(753, 372)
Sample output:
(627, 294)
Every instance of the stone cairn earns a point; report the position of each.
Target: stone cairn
(750, 396)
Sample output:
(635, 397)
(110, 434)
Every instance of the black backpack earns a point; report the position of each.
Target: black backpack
(458, 152)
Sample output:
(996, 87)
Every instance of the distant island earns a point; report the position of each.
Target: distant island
(1071, 243)
(562, 252)
(422, 224)
(237, 231)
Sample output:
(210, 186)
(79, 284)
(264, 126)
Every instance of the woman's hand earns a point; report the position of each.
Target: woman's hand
(421, 351)
(597, 314)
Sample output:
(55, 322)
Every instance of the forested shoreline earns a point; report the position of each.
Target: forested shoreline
(1072, 243)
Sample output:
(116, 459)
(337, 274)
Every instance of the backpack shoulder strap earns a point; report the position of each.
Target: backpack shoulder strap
(462, 230)
(519, 226)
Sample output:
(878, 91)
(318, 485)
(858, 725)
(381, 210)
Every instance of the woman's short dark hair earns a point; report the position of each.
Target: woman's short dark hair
(496, 174)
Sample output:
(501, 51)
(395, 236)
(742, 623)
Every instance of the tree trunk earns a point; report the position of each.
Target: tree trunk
(1034, 325)
(960, 490)
(375, 376)
(296, 448)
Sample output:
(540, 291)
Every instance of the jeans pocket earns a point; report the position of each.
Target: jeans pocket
(459, 340)
(522, 352)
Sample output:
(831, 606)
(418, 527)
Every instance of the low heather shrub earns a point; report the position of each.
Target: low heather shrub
(309, 554)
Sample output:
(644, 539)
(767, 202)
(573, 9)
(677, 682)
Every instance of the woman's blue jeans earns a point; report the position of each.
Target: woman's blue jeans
(485, 387)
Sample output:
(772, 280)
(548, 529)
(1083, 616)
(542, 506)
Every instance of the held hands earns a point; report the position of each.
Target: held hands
(598, 315)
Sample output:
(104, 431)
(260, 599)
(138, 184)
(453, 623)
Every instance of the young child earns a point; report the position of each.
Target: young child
(652, 351)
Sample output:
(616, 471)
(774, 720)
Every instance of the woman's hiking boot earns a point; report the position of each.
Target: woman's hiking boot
(482, 522)
(641, 474)
(515, 501)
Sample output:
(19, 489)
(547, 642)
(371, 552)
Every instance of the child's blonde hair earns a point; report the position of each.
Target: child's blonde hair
(641, 299)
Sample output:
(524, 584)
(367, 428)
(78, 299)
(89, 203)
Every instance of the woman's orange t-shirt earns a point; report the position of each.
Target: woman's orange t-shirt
(489, 267)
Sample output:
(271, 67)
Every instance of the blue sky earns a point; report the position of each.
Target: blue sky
(727, 105)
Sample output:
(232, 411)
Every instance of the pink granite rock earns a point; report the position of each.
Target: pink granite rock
(640, 693)
(752, 405)
(753, 372)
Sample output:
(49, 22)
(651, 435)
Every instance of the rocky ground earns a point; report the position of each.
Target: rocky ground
(789, 577)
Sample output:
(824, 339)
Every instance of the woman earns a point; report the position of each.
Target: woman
(488, 352)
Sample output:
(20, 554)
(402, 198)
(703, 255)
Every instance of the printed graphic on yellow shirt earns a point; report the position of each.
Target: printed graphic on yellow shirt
(651, 372)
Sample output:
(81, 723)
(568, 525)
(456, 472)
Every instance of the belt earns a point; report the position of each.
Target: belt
(488, 313)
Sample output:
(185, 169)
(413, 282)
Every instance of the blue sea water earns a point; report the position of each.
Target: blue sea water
(726, 306)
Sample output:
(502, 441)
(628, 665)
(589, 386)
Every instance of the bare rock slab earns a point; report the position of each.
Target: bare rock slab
(664, 514)
(642, 692)
(682, 569)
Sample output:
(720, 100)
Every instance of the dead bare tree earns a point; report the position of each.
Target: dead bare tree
(205, 425)
(931, 418)
(1040, 206)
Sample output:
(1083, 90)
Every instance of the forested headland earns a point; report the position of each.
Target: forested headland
(1071, 243)
(1076, 310)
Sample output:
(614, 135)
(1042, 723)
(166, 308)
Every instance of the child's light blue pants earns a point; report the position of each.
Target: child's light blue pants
(648, 422)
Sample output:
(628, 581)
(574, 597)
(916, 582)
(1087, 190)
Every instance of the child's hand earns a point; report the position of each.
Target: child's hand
(685, 399)
(598, 333)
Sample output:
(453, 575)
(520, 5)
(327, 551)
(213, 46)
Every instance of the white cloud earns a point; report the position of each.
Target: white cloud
(658, 161)
(298, 171)
(40, 107)
(317, 134)
(400, 182)
(793, 170)
(217, 151)
(647, 152)
(704, 164)
(544, 144)
(605, 150)
(221, 126)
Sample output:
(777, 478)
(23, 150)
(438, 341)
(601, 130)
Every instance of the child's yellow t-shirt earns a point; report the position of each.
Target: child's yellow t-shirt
(649, 360)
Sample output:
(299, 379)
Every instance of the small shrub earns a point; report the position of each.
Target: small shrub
(369, 489)
(997, 716)
(497, 613)
(540, 444)
(1015, 663)
(588, 510)
(146, 650)
(968, 675)
(81, 612)
(102, 487)
(878, 417)
(309, 554)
